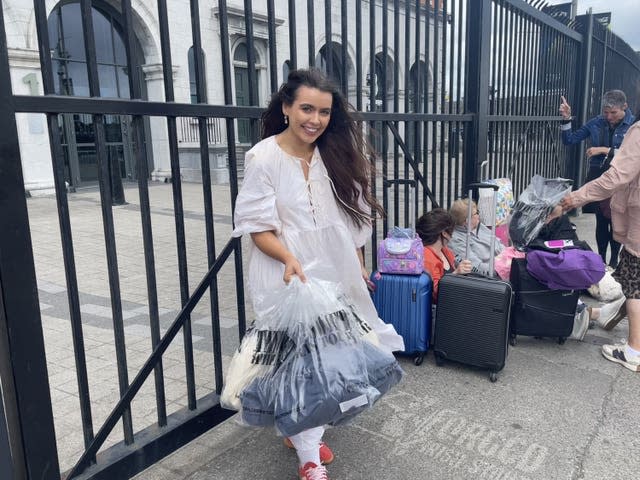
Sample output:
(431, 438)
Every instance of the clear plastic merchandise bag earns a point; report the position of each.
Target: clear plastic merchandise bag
(533, 207)
(324, 369)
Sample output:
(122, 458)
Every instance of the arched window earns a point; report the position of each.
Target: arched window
(243, 96)
(419, 82)
(69, 65)
(68, 56)
(331, 61)
(383, 78)
(286, 68)
(193, 89)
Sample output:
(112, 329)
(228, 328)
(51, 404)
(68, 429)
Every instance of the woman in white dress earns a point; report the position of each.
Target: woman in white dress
(306, 202)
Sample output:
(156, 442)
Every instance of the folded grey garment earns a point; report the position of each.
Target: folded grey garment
(327, 386)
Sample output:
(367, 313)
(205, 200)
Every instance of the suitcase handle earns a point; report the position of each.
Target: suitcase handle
(480, 185)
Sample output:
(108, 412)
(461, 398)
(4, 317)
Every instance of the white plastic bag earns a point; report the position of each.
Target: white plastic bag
(606, 290)
(316, 366)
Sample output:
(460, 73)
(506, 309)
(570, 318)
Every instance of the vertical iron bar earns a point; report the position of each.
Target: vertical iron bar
(328, 35)
(273, 55)
(435, 172)
(65, 230)
(293, 49)
(251, 66)
(344, 41)
(311, 33)
(396, 108)
(460, 127)
(585, 90)
(444, 193)
(407, 107)
(428, 86)
(478, 40)
(358, 56)
(137, 125)
(417, 91)
(207, 195)
(233, 162)
(107, 217)
(383, 83)
(23, 365)
(372, 127)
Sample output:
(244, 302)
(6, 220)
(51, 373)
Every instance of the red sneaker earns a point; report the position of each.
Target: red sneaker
(311, 471)
(326, 455)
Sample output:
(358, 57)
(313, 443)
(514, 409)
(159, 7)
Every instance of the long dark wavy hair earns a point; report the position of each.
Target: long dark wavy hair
(342, 147)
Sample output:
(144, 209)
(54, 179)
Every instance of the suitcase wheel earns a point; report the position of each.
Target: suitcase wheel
(439, 359)
(513, 340)
(561, 340)
(418, 359)
(493, 376)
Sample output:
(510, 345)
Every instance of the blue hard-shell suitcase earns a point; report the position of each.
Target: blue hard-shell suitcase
(405, 302)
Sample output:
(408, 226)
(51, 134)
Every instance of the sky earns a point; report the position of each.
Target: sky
(624, 16)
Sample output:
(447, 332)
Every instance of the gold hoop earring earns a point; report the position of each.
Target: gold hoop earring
(286, 120)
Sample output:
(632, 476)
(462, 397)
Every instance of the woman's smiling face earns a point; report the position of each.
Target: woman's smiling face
(309, 114)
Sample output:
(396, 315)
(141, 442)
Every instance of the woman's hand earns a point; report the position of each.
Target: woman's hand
(292, 267)
(567, 203)
(365, 276)
(463, 267)
(555, 213)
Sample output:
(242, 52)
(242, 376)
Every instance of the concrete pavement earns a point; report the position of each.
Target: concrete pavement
(557, 411)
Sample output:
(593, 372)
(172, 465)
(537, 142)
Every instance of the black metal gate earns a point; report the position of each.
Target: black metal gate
(450, 91)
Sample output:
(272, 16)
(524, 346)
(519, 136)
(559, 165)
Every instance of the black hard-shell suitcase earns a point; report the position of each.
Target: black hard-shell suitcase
(472, 317)
(537, 310)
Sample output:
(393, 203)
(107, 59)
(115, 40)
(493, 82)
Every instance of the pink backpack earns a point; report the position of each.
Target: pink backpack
(401, 254)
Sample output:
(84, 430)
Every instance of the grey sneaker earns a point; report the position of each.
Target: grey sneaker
(581, 324)
(616, 353)
(612, 313)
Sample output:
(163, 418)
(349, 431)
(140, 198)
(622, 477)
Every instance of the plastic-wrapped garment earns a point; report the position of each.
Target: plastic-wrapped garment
(323, 368)
(504, 202)
(534, 206)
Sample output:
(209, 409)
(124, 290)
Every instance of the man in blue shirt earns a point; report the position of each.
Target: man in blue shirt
(605, 133)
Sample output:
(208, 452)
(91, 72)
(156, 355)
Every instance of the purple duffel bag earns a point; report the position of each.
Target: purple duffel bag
(569, 269)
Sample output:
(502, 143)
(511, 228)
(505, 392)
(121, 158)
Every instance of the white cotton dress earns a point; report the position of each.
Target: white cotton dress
(305, 216)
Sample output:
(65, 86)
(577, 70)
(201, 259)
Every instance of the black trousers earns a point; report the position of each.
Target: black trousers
(604, 237)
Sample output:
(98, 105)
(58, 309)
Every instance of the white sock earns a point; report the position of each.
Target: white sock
(307, 445)
(306, 456)
(630, 352)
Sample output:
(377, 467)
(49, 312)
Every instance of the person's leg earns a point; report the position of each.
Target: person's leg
(633, 313)
(307, 445)
(615, 248)
(602, 234)
(610, 314)
(628, 274)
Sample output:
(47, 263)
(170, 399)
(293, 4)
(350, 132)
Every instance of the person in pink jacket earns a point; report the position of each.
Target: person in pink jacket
(622, 183)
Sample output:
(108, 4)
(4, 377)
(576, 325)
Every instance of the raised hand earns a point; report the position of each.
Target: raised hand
(565, 108)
